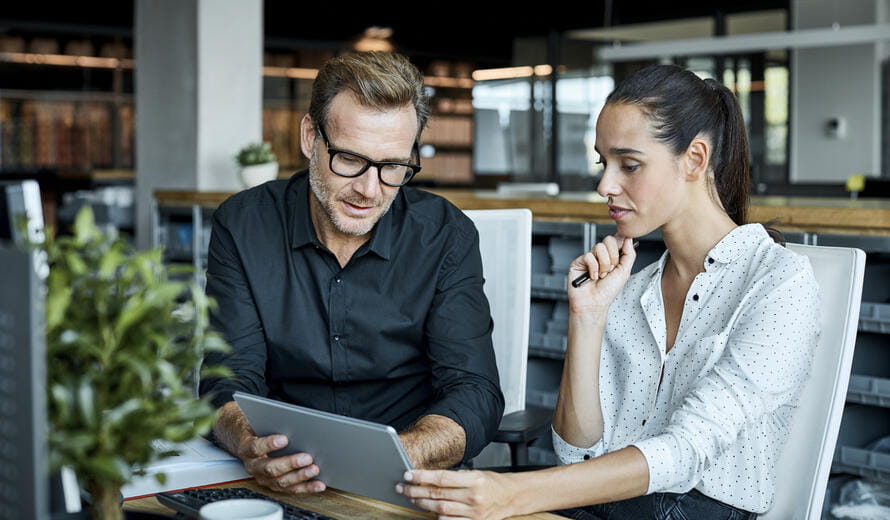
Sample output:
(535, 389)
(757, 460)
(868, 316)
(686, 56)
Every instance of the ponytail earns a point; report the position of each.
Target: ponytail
(730, 162)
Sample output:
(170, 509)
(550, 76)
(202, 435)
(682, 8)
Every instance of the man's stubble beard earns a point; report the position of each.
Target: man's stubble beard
(322, 194)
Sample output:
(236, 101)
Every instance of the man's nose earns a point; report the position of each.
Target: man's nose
(368, 183)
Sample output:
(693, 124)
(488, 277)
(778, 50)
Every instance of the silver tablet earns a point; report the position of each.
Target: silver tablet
(358, 456)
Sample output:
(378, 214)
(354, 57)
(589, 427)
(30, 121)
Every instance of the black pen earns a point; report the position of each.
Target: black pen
(581, 280)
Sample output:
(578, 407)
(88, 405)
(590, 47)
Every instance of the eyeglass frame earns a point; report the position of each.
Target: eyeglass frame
(415, 150)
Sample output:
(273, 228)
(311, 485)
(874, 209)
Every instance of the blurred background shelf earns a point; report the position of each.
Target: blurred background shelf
(873, 391)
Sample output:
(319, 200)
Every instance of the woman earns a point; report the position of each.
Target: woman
(679, 402)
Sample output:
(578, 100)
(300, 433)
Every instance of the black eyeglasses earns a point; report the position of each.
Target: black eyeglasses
(351, 164)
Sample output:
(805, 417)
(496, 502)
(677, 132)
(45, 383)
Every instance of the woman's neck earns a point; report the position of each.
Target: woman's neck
(692, 235)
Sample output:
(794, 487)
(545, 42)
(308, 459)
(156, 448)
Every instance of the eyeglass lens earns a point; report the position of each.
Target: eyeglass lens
(345, 163)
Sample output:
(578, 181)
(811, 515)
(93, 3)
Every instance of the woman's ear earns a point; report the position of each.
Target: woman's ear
(698, 159)
(307, 136)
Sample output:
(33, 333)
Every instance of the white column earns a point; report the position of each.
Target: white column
(198, 95)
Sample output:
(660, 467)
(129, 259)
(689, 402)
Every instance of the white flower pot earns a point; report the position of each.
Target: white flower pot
(256, 174)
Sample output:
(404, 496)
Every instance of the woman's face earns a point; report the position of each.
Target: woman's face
(641, 176)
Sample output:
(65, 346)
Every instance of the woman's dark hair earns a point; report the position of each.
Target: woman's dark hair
(679, 106)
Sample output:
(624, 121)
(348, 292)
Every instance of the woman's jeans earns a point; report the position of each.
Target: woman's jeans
(660, 506)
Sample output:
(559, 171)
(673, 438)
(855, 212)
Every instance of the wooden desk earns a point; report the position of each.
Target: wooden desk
(333, 502)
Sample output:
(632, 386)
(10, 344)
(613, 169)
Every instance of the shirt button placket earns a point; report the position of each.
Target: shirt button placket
(338, 312)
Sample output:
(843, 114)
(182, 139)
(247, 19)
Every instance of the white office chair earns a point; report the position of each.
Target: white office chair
(804, 465)
(505, 241)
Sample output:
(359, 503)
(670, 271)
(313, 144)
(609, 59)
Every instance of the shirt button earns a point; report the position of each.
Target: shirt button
(336, 337)
(695, 297)
(586, 457)
(337, 280)
(710, 260)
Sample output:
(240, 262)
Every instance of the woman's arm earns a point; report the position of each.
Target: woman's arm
(578, 418)
(484, 495)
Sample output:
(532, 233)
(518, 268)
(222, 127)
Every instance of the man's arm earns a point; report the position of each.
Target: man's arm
(235, 317)
(434, 442)
(288, 474)
(458, 330)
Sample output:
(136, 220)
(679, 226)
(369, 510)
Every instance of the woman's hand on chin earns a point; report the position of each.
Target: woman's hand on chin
(608, 265)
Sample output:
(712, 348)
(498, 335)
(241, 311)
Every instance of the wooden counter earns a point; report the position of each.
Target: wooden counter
(813, 215)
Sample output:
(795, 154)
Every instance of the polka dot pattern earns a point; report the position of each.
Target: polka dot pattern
(714, 412)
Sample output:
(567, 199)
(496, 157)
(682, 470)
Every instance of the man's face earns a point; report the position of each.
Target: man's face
(352, 206)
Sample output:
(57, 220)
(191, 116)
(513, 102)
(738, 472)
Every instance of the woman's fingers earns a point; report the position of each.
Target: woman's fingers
(479, 495)
(442, 492)
(584, 265)
(628, 251)
(440, 478)
(444, 509)
(613, 246)
(601, 260)
(607, 255)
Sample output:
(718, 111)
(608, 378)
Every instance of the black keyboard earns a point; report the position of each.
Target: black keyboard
(189, 502)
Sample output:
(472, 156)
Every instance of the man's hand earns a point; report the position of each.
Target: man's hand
(287, 474)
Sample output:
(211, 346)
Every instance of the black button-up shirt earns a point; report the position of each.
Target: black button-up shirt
(402, 331)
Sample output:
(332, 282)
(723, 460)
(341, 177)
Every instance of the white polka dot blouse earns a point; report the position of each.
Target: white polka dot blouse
(714, 412)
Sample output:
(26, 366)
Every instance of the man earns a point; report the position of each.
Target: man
(342, 290)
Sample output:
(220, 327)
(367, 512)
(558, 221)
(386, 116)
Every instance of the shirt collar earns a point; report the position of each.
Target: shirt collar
(303, 231)
(736, 242)
(730, 247)
(382, 237)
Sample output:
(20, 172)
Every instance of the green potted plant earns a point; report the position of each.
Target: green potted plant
(125, 337)
(257, 163)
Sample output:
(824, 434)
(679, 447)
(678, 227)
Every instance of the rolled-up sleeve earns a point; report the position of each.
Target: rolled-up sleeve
(568, 453)
(235, 317)
(764, 366)
(458, 329)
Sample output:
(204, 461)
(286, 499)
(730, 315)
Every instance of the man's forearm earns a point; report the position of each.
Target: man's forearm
(231, 427)
(434, 442)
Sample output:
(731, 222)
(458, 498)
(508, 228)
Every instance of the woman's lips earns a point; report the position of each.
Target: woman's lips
(617, 212)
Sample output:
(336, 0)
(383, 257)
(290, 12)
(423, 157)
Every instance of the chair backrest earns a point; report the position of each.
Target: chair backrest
(505, 241)
(804, 465)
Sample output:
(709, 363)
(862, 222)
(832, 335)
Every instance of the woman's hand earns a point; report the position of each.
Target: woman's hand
(478, 495)
(608, 264)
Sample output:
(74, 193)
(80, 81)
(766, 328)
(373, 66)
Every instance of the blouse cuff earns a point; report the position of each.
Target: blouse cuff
(568, 454)
(660, 459)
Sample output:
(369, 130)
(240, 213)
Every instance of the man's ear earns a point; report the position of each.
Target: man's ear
(307, 136)
(697, 159)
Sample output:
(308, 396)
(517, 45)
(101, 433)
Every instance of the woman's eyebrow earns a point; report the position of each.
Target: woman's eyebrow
(625, 151)
(620, 151)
